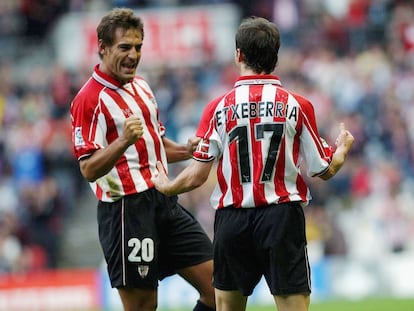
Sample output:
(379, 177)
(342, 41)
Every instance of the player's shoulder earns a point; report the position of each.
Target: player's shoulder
(300, 99)
(141, 82)
(214, 103)
(88, 93)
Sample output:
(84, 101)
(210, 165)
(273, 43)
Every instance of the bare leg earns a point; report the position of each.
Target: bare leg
(299, 302)
(230, 300)
(138, 299)
(200, 277)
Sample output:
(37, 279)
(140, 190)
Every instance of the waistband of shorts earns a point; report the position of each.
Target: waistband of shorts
(232, 207)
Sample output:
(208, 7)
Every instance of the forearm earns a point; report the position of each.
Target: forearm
(338, 160)
(103, 160)
(184, 182)
(178, 186)
(176, 152)
(188, 179)
(344, 143)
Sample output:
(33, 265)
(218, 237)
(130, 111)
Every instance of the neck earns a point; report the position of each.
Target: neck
(245, 71)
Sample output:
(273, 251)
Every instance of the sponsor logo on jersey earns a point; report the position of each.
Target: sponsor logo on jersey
(78, 137)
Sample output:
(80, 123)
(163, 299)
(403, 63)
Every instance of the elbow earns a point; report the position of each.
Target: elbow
(326, 176)
(331, 171)
(88, 176)
(87, 173)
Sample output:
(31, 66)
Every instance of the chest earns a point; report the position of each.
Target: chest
(118, 105)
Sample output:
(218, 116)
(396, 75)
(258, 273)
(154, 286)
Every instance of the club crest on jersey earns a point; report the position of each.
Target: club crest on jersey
(78, 137)
(143, 270)
(127, 112)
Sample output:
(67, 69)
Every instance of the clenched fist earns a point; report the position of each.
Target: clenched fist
(133, 129)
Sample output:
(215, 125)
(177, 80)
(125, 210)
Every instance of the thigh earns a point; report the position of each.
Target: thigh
(236, 265)
(281, 243)
(184, 243)
(130, 241)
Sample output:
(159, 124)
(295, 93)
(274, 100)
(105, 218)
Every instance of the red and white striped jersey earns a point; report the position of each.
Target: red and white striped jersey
(98, 113)
(260, 132)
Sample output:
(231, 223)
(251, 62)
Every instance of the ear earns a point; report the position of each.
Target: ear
(101, 47)
(240, 55)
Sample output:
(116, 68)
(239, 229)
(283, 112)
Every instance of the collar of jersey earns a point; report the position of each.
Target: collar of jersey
(257, 79)
(105, 79)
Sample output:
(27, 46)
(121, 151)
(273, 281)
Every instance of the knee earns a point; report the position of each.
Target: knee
(138, 300)
(141, 306)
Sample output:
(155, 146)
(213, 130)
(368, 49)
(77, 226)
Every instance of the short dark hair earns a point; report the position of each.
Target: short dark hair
(118, 18)
(259, 41)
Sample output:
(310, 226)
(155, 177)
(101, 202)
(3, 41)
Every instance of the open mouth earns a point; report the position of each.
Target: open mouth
(129, 67)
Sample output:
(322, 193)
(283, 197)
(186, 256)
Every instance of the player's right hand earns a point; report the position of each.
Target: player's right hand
(133, 129)
(159, 178)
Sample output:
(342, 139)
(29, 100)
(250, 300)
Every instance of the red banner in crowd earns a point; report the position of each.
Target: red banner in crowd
(173, 36)
(50, 290)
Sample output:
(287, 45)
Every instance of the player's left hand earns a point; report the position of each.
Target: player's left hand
(192, 144)
(160, 178)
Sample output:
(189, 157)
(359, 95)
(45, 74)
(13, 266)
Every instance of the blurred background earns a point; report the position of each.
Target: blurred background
(354, 59)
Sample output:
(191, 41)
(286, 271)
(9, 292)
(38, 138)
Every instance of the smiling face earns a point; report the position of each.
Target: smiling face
(120, 60)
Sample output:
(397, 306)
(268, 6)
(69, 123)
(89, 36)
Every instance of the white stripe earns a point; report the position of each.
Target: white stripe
(269, 94)
(226, 172)
(103, 81)
(90, 138)
(242, 95)
(123, 242)
(307, 267)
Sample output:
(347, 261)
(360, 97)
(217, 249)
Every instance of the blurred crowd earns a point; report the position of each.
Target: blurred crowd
(354, 59)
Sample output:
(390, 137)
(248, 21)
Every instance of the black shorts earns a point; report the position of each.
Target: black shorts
(147, 237)
(268, 241)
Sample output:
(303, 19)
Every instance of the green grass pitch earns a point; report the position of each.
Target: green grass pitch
(373, 304)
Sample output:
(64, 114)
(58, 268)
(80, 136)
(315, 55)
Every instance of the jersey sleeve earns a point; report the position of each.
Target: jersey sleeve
(315, 150)
(209, 147)
(84, 117)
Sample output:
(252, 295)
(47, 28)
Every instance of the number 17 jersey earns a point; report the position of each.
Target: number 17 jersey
(259, 133)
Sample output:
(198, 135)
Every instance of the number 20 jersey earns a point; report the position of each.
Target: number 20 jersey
(260, 133)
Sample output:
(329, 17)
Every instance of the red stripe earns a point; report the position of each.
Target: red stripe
(122, 164)
(221, 181)
(280, 186)
(98, 191)
(302, 188)
(255, 95)
(153, 131)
